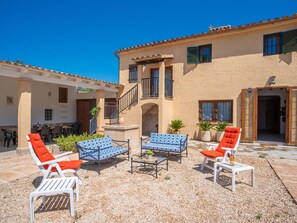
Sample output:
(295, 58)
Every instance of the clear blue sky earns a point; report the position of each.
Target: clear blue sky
(80, 37)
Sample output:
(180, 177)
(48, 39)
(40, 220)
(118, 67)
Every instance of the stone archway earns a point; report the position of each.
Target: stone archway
(150, 114)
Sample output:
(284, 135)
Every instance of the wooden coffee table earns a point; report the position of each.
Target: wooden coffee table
(154, 162)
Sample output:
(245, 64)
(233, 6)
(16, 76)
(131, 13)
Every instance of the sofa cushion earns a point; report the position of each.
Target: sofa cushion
(212, 153)
(66, 165)
(102, 143)
(230, 139)
(172, 139)
(162, 147)
(40, 149)
(93, 153)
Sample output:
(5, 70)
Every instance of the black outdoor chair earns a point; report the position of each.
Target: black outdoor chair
(75, 128)
(34, 129)
(8, 136)
(57, 132)
(45, 133)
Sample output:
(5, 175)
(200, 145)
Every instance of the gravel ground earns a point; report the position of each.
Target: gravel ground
(183, 194)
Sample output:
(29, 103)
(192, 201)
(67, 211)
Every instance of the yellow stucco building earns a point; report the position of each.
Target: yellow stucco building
(245, 75)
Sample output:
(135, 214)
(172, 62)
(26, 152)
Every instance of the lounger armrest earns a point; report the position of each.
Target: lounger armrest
(211, 146)
(63, 154)
(227, 149)
(51, 162)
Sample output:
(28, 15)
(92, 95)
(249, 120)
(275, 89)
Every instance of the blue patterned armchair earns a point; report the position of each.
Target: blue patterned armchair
(170, 143)
(102, 148)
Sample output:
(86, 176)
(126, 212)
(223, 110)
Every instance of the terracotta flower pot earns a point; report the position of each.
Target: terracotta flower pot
(121, 120)
(220, 136)
(205, 136)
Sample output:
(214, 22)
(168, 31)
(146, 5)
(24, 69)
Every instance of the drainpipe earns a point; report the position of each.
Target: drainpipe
(117, 55)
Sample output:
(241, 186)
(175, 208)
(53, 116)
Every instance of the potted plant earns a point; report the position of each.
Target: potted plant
(95, 111)
(221, 126)
(176, 125)
(205, 127)
(149, 154)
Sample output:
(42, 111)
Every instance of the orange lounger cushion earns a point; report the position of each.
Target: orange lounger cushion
(212, 153)
(66, 165)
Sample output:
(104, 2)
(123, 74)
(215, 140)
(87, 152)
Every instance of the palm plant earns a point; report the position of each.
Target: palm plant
(205, 126)
(176, 125)
(221, 126)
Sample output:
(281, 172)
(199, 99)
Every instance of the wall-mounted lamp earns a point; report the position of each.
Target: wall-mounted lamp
(249, 90)
(271, 80)
(49, 93)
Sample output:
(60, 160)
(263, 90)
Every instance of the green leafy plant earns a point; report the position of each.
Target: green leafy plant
(167, 178)
(258, 217)
(69, 143)
(95, 111)
(221, 126)
(149, 152)
(176, 125)
(205, 126)
(262, 155)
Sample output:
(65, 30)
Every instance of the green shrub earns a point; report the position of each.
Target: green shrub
(176, 125)
(205, 126)
(69, 143)
(221, 126)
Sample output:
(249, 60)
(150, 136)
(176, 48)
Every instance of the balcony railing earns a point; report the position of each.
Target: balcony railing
(150, 87)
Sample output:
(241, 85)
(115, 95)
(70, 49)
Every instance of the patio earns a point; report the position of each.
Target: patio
(183, 194)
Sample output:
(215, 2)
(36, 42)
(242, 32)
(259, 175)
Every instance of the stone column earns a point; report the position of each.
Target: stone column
(100, 103)
(24, 112)
(162, 108)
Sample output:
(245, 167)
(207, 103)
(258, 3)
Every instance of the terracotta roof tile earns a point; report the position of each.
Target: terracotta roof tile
(57, 72)
(215, 31)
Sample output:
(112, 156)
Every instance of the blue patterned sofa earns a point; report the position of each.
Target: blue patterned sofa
(170, 143)
(101, 149)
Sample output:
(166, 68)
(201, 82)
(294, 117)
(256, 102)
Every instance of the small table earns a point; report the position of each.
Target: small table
(237, 167)
(154, 161)
(55, 186)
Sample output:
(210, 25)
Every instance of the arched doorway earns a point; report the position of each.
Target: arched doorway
(150, 114)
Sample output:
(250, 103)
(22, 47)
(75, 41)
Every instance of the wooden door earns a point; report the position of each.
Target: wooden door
(292, 116)
(83, 116)
(249, 102)
(154, 82)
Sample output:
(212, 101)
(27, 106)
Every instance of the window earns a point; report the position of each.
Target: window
(63, 95)
(48, 114)
(216, 110)
(199, 54)
(192, 55)
(289, 41)
(132, 73)
(272, 44)
(205, 53)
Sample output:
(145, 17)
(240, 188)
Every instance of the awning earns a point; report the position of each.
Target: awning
(155, 58)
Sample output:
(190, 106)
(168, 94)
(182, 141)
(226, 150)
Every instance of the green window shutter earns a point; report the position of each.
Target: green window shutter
(192, 55)
(289, 41)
